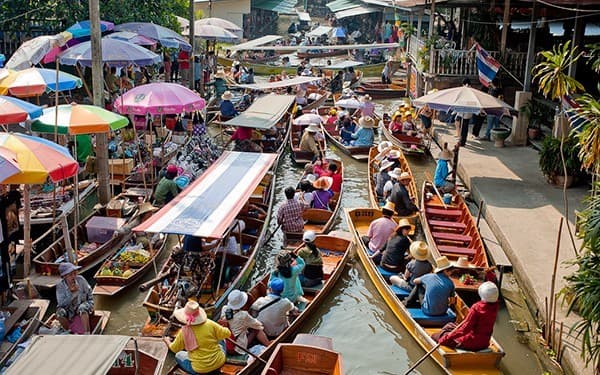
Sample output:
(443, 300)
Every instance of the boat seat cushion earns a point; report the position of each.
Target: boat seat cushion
(457, 250)
(443, 213)
(447, 224)
(386, 274)
(452, 237)
(399, 292)
(429, 320)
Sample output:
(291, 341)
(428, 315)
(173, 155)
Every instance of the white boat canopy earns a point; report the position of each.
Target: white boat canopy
(255, 42)
(320, 48)
(279, 84)
(320, 30)
(303, 16)
(264, 113)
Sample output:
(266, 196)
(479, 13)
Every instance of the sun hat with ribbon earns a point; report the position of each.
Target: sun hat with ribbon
(385, 165)
(404, 176)
(237, 299)
(323, 182)
(419, 250)
(191, 314)
(383, 145)
(403, 223)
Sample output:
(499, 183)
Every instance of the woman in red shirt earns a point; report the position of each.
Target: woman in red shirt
(336, 186)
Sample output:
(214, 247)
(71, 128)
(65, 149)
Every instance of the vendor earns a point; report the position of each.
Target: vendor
(166, 189)
(74, 300)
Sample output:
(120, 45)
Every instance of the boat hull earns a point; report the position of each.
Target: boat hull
(415, 146)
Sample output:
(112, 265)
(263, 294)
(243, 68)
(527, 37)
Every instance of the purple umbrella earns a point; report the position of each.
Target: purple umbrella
(114, 53)
(167, 37)
(134, 38)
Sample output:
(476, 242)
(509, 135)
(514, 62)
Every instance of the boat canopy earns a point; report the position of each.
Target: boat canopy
(264, 113)
(303, 16)
(278, 84)
(320, 30)
(256, 42)
(343, 64)
(208, 207)
(69, 355)
(323, 48)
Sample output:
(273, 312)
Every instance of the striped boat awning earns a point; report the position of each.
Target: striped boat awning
(208, 206)
(264, 113)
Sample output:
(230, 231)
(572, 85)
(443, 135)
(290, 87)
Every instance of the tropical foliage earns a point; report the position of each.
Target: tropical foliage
(551, 74)
(550, 160)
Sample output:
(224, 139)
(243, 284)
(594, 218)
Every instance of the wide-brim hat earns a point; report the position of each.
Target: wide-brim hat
(191, 314)
(404, 223)
(367, 122)
(383, 145)
(394, 154)
(419, 250)
(145, 208)
(227, 95)
(312, 128)
(395, 173)
(442, 263)
(237, 299)
(404, 176)
(385, 165)
(396, 114)
(365, 98)
(445, 155)
(323, 182)
(66, 268)
(463, 262)
(389, 206)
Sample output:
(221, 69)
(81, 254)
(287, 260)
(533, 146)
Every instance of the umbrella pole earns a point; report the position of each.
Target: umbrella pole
(87, 89)
(27, 231)
(139, 152)
(76, 198)
(56, 103)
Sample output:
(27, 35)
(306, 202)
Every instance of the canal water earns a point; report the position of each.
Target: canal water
(363, 328)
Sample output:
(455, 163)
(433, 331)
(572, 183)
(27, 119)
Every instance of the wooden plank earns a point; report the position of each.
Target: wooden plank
(314, 340)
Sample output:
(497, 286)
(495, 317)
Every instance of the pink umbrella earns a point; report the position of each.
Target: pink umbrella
(159, 99)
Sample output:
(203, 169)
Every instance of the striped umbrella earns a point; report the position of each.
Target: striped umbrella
(38, 159)
(9, 165)
(78, 119)
(36, 81)
(13, 110)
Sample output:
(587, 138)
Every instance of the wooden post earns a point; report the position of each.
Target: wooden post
(192, 42)
(505, 25)
(71, 256)
(552, 308)
(27, 231)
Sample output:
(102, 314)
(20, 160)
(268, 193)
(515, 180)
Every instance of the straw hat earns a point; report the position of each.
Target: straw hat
(227, 95)
(312, 128)
(365, 98)
(394, 154)
(67, 268)
(191, 314)
(404, 176)
(445, 155)
(385, 165)
(332, 112)
(145, 208)
(488, 292)
(419, 250)
(323, 183)
(390, 207)
(463, 262)
(442, 263)
(396, 114)
(237, 299)
(309, 236)
(403, 223)
(383, 145)
(396, 173)
(367, 122)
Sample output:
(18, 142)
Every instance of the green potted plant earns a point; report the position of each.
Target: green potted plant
(551, 164)
(532, 111)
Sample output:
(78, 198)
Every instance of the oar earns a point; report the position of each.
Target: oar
(422, 359)
(246, 351)
(428, 177)
(272, 234)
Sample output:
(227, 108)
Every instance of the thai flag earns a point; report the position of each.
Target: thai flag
(486, 66)
(572, 110)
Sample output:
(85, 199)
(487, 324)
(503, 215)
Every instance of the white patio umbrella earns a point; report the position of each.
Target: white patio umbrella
(307, 119)
(349, 103)
(33, 51)
(227, 25)
(210, 32)
(462, 99)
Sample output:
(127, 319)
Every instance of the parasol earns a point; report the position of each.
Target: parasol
(36, 81)
(81, 29)
(135, 38)
(462, 99)
(167, 37)
(219, 22)
(13, 110)
(32, 51)
(307, 119)
(210, 32)
(78, 119)
(159, 99)
(114, 53)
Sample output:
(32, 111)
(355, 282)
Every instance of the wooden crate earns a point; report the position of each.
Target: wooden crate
(120, 166)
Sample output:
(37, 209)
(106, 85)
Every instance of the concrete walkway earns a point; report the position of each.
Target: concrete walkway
(524, 212)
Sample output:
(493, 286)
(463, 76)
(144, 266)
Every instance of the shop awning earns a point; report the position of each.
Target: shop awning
(208, 207)
(256, 42)
(303, 16)
(264, 113)
(279, 6)
(339, 5)
(357, 11)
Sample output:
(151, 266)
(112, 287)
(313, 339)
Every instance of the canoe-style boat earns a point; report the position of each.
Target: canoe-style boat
(374, 164)
(300, 157)
(410, 145)
(98, 321)
(336, 252)
(322, 97)
(319, 54)
(315, 219)
(126, 259)
(25, 315)
(111, 355)
(451, 230)
(419, 325)
(308, 354)
(360, 153)
(381, 90)
(207, 203)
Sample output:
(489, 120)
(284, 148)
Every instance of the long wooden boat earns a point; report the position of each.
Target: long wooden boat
(323, 97)
(381, 90)
(109, 284)
(300, 157)
(98, 321)
(319, 54)
(410, 145)
(211, 289)
(336, 252)
(419, 325)
(372, 171)
(308, 354)
(359, 153)
(318, 220)
(451, 230)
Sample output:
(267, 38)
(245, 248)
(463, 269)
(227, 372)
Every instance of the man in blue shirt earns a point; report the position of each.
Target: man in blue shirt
(227, 109)
(442, 171)
(438, 288)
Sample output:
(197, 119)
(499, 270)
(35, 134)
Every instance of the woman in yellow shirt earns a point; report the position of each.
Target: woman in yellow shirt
(197, 344)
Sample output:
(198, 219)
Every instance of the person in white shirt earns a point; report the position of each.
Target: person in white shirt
(272, 311)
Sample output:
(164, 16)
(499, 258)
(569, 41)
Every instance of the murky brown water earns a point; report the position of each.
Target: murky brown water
(363, 328)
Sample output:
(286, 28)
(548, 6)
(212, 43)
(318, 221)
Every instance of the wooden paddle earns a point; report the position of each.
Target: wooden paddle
(422, 359)
(246, 351)
(428, 177)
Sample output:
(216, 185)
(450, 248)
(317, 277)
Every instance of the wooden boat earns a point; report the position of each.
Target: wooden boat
(323, 97)
(419, 325)
(336, 252)
(452, 231)
(318, 220)
(381, 90)
(319, 54)
(360, 153)
(300, 157)
(98, 321)
(109, 285)
(410, 145)
(373, 169)
(224, 273)
(308, 354)
(29, 311)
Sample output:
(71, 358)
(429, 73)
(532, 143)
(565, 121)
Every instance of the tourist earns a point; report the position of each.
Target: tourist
(272, 310)
(337, 83)
(308, 142)
(404, 203)
(289, 214)
(305, 196)
(416, 267)
(166, 189)
(382, 178)
(393, 258)
(220, 83)
(367, 108)
(184, 66)
(442, 172)
(236, 71)
(74, 300)
(336, 176)
(394, 174)
(396, 124)
(365, 135)
(438, 288)
(197, 72)
(386, 73)
(380, 229)
(347, 129)
(288, 267)
(425, 114)
(227, 108)
(332, 117)
(248, 76)
(112, 81)
(463, 119)
(475, 331)
(312, 275)
(493, 121)
(301, 98)
(242, 325)
(196, 346)
(241, 134)
(166, 65)
(322, 193)
(408, 126)
(320, 167)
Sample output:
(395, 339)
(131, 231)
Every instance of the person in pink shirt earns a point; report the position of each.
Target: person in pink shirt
(381, 229)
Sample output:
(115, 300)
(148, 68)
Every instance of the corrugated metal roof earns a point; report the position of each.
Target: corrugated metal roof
(279, 6)
(339, 5)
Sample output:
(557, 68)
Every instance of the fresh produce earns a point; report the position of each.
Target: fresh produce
(127, 273)
(105, 271)
(134, 256)
(117, 272)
